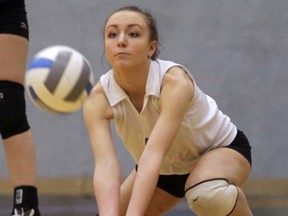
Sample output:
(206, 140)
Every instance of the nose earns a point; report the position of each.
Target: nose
(122, 40)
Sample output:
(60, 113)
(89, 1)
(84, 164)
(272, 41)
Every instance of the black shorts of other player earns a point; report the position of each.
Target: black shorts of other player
(13, 18)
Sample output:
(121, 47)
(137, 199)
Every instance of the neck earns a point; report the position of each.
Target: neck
(132, 79)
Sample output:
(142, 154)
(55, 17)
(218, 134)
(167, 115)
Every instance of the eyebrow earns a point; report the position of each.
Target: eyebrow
(129, 26)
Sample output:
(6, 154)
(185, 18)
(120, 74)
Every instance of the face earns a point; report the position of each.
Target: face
(126, 39)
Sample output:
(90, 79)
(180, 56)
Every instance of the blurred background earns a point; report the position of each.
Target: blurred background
(236, 50)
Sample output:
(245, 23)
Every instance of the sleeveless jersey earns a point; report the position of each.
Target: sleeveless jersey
(203, 128)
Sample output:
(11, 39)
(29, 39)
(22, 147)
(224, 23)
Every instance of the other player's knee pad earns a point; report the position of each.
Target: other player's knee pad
(212, 197)
(13, 118)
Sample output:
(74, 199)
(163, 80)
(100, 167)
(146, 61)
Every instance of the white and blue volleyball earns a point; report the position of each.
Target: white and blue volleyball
(59, 79)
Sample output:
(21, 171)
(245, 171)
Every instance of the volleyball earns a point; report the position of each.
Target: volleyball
(58, 79)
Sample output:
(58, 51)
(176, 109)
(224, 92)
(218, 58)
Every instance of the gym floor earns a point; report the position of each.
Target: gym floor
(85, 206)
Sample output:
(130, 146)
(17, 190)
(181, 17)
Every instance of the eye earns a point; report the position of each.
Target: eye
(112, 35)
(133, 34)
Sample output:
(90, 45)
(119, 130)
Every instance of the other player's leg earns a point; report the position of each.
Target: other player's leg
(14, 128)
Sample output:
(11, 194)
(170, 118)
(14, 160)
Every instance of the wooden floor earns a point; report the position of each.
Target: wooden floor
(265, 197)
(85, 206)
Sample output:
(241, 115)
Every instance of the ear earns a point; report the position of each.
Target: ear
(152, 48)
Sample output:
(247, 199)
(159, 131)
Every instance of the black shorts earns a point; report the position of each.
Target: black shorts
(175, 184)
(13, 18)
(241, 144)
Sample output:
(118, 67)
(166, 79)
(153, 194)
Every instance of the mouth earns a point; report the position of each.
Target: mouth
(121, 53)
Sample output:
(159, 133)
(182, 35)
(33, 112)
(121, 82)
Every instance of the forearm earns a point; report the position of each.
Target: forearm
(107, 189)
(144, 186)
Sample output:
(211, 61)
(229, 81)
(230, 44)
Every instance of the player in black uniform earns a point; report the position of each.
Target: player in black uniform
(14, 128)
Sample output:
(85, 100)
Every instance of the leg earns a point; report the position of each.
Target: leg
(17, 138)
(160, 203)
(13, 57)
(227, 164)
(21, 159)
(21, 163)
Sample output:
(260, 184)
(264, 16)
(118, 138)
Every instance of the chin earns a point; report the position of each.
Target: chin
(123, 63)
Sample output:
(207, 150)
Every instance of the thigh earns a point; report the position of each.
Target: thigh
(160, 203)
(13, 40)
(220, 163)
(13, 57)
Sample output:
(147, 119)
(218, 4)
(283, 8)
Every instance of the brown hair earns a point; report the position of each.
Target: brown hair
(151, 22)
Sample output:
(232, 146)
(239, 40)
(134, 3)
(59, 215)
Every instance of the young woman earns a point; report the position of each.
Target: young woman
(14, 128)
(182, 143)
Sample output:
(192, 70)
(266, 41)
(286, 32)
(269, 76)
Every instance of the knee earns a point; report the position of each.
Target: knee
(13, 118)
(212, 197)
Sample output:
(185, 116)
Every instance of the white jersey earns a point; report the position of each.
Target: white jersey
(204, 126)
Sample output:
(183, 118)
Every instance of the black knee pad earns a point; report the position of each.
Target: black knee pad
(13, 118)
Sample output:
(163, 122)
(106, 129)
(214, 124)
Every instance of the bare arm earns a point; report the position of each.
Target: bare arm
(177, 92)
(97, 115)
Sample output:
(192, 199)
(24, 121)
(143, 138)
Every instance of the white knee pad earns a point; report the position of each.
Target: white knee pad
(212, 197)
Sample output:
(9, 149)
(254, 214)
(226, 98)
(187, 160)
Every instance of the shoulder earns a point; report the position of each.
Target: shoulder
(167, 66)
(177, 76)
(97, 103)
(177, 85)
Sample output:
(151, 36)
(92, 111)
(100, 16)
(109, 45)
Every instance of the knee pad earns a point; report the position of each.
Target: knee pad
(212, 197)
(13, 118)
